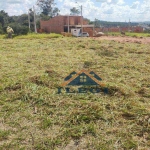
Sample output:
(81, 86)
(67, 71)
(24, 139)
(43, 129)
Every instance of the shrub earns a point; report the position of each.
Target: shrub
(1, 29)
(18, 29)
(21, 30)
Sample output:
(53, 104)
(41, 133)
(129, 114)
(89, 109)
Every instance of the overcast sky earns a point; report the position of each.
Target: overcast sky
(108, 10)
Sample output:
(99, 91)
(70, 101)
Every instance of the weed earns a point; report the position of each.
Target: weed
(4, 135)
(87, 64)
(45, 123)
(129, 144)
(81, 46)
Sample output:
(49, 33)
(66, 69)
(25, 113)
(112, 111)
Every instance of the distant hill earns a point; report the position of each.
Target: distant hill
(147, 22)
(100, 23)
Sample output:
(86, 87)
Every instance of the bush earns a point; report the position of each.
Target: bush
(147, 31)
(1, 29)
(18, 29)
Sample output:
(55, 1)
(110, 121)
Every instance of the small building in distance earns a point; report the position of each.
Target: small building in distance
(60, 24)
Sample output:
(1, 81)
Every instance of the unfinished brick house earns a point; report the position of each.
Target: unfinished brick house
(60, 24)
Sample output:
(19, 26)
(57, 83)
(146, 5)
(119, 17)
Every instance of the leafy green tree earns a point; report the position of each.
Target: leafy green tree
(46, 6)
(44, 17)
(55, 12)
(23, 19)
(97, 23)
(18, 23)
(4, 18)
(88, 20)
(1, 20)
(74, 11)
(19, 29)
(1, 29)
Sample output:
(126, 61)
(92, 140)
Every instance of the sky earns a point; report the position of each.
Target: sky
(107, 10)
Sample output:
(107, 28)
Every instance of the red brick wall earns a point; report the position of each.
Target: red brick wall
(40, 31)
(89, 30)
(73, 20)
(55, 25)
(137, 29)
(115, 29)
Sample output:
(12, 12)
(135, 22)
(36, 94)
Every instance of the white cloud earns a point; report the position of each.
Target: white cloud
(16, 7)
(13, 1)
(106, 11)
(120, 2)
(109, 10)
(135, 5)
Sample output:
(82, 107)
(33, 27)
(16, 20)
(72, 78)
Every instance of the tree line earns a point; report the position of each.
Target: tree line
(100, 23)
(24, 23)
(20, 23)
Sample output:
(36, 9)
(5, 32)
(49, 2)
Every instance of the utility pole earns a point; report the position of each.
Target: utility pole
(129, 26)
(34, 21)
(81, 21)
(68, 23)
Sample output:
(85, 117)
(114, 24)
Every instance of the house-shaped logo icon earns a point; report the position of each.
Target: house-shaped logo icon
(83, 78)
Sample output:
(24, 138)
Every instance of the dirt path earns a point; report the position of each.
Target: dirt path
(124, 39)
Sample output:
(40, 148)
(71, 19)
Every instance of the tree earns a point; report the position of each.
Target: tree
(44, 17)
(55, 12)
(19, 29)
(74, 11)
(1, 20)
(97, 23)
(1, 29)
(4, 18)
(23, 19)
(88, 20)
(46, 6)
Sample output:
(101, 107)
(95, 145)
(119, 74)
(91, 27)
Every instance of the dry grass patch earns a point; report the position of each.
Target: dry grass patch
(34, 116)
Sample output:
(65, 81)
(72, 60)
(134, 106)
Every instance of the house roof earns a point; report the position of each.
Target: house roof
(80, 72)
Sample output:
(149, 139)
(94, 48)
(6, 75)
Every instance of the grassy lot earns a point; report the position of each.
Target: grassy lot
(32, 36)
(130, 34)
(34, 117)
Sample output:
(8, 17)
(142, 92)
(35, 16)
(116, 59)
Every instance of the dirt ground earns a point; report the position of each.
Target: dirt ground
(124, 39)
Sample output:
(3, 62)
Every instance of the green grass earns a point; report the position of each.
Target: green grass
(34, 116)
(130, 34)
(54, 35)
(2, 36)
(4, 135)
(33, 36)
(38, 36)
(138, 34)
